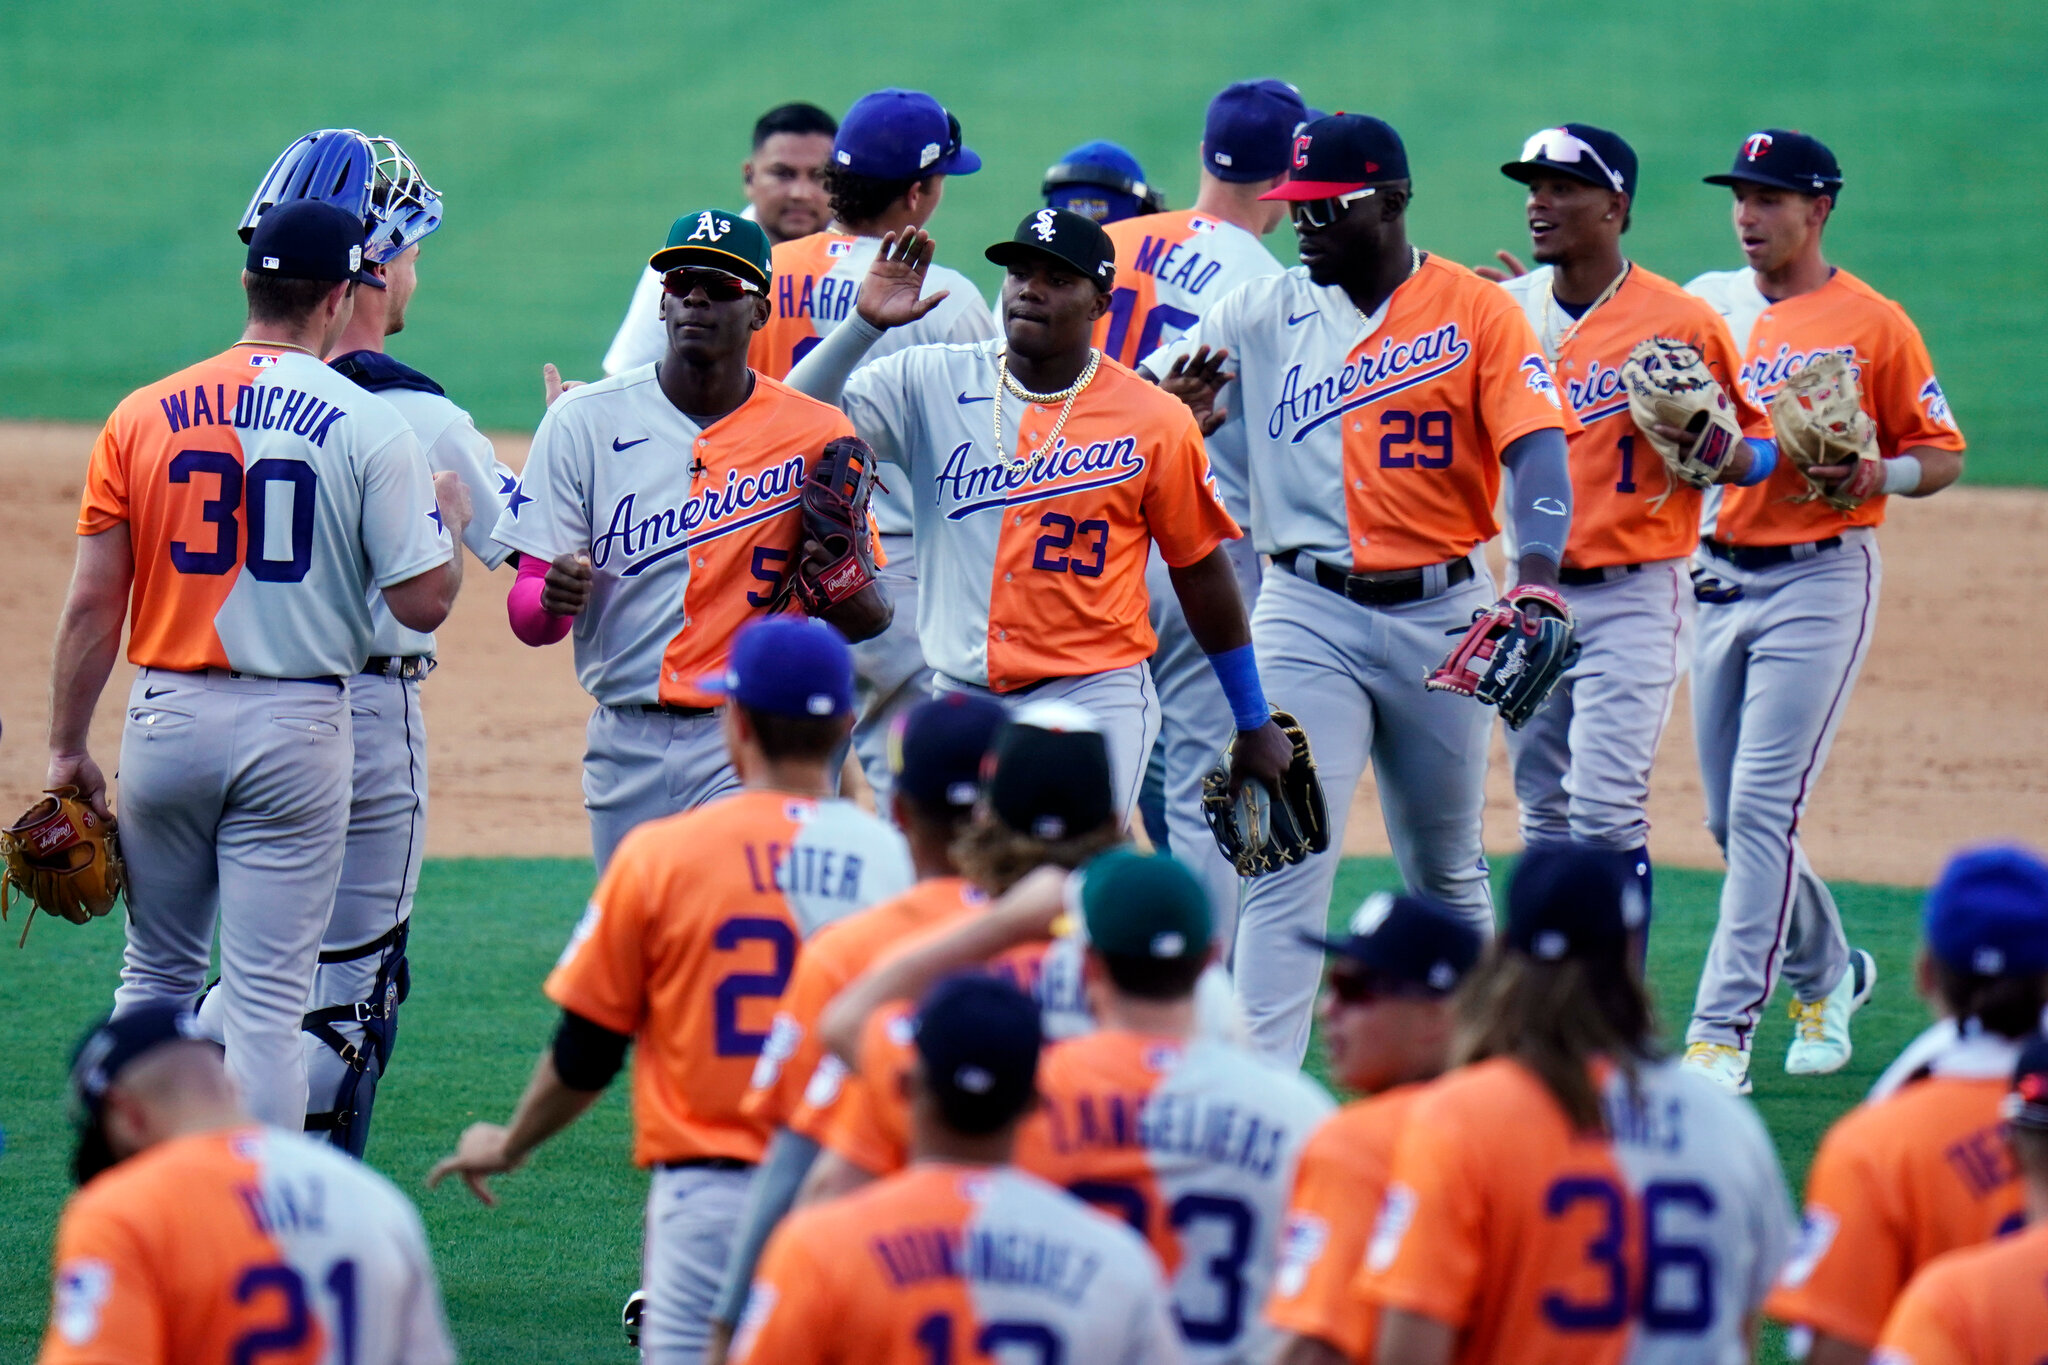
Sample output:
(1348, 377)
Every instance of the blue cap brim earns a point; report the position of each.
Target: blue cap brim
(966, 161)
(1772, 181)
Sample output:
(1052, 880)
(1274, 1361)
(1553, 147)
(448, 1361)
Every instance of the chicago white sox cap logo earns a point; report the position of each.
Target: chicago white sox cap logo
(709, 228)
(1042, 225)
(1755, 145)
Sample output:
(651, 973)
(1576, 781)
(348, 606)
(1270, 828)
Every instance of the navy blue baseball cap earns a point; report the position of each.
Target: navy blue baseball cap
(787, 666)
(1103, 181)
(111, 1046)
(1988, 912)
(1249, 132)
(1410, 939)
(901, 135)
(308, 239)
(937, 749)
(1578, 150)
(1573, 901)
(1786, 160)
(978, 1038)
(1341, 154)
(1049, 775)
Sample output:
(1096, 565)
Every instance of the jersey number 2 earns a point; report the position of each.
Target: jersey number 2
(730, 1039)
(255, 487)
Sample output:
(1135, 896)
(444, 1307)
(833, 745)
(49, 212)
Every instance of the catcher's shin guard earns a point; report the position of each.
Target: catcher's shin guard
(346, 1119)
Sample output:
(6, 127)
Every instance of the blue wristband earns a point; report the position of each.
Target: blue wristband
(1238, 671)
(1763, 453)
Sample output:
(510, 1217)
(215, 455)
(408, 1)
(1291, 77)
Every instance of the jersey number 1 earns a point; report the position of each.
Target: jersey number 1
(1124, 302)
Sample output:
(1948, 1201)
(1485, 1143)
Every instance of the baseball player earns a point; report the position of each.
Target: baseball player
(1382, 392)
(1171, 267)
(249, 505)
(685, 950)
(1103, 181)
(1984, 1305)
(1788, 591)
(199, 1235)
(784, 181)
(352, 1026)
(659, 512)
(1386, 1015)
(1582, 763)
(1041, 475)
(1567, 1195)
(962, 1255)
(882, 179)
(1921, 1169)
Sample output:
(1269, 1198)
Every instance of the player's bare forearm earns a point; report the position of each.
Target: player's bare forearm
(488, 1149)
(1210, 600)
(423, 601)
(1411, 1339)
(88, 641)
(1300, 1350)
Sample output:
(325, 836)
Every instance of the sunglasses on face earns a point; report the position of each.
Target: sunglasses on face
(1567, 149)
(1320, 213)
(718, 286)
(1364, 988)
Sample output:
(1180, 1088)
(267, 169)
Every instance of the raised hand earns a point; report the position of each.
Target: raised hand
(889, 296)
(1509, 268)
(1196, 380)
(555, 386)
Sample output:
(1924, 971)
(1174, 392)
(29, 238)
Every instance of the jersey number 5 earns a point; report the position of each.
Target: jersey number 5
(260, 486)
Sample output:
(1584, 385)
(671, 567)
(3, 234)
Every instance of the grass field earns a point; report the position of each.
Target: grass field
(540, 1278)
(566, 140)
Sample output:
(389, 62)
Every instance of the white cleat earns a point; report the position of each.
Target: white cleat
(1820, 1030)
(1725, 1066)
(630, 1315)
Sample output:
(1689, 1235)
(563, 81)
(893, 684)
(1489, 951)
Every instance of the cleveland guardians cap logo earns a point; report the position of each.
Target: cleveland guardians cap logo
(1755, 146)
(1300, 152)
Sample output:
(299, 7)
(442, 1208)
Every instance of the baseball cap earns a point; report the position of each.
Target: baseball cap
(1339, 154)
(2026, 1104)
(1786, 160)
(1578, 150)
(1249, 131)
(787, 666)
(1103, 181)
(111, 1046)
(307, 239)
(717, 240)
(1071, 239)
(978, 1038)
(901, 135)
(937, 748)
(1573, 901)
(1146, 905)
(1049, 775)
(1988, 912)
(1410, 939)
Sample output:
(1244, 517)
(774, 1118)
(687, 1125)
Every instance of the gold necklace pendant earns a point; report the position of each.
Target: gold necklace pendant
(1066, 396)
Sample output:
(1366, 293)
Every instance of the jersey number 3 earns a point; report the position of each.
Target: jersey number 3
(269, 487)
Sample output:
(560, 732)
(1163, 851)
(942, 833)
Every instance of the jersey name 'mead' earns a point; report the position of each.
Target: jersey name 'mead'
(1365, 379)
(963, 491)
(1170, 261)
(744, 500)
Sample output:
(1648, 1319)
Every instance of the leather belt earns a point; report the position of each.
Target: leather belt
(1586, 578)
(1754, 557)
(706, 1163)
(662, 708)
(409, 667)
(1380, 589)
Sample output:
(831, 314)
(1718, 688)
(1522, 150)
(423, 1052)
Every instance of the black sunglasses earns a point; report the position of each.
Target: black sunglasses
(717, 285)
(1369, 988)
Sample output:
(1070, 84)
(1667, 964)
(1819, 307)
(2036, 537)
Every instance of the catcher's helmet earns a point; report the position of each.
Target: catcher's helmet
(370, 177)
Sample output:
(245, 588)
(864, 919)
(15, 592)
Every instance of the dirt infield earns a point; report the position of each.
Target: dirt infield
(1943, 743)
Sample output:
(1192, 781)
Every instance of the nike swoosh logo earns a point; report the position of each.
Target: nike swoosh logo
(152, 694)
(985, 398)
(1293, 320)
(617, 444)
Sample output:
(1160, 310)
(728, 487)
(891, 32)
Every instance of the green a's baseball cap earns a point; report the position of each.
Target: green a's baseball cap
(717, 240)
(1145, 905)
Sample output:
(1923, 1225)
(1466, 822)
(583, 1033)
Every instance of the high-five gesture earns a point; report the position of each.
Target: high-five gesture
(1197, 380)
(889, 294)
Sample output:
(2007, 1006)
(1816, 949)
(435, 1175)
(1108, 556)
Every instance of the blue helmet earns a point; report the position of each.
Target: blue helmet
(369, 177)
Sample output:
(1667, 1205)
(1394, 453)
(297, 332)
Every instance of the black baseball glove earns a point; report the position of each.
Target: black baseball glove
(1264, 828)
(1512, 655)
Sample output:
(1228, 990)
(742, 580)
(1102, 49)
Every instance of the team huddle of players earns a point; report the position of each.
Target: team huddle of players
(883, 1062)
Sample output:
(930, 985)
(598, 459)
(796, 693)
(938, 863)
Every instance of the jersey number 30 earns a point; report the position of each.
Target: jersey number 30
(264, 487)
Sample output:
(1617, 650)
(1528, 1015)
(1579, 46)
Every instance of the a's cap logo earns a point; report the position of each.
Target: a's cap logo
(1300, 152)
(709, 228)
(1755, 145)
(1042, 224)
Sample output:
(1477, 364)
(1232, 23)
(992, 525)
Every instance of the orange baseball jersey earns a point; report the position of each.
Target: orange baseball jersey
(1897, 1182)
(1626, 508)
(947, 1263)
(1983, 1305)
(1406, 412)
(690, 939)
(248, 1244)
(1170, 267)
(266, 497)
(1537, 1243)
(690, 531)
(1341, 1178)
(1894, 376)
(1031, 559)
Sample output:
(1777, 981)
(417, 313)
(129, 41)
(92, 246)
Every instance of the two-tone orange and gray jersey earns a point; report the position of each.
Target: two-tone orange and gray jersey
(817, 279)
(265, 497)
(1374, 442)
(947, 1263)
(690, 530)
(1626, 507)
(690, 940)
(243, 1245)
(1032, 558)
(1984, 1305)
(1652, 1242)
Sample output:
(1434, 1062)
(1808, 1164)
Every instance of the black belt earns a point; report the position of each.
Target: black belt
(331, 679)
(409, 667)
(1754, 557)
(1379, 590)
(1586, 578)
(706, 1163)
(662, 708)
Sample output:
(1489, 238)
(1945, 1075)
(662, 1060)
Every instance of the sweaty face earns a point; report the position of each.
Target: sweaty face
(785, 181)
(703, 330)
(1049, 309)
(1332, 253)
(1774, 225)
(401, 277)
(1567, 218)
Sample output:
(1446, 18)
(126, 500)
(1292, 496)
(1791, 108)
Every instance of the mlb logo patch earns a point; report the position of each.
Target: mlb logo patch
(259, 361)
(1201, 225)
(839, 248)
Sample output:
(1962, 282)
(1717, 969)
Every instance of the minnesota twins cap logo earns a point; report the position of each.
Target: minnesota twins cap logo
(1755, 146)
(1042, 224)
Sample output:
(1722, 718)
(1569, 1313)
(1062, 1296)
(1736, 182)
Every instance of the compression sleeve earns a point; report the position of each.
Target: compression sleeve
(1763, 459)
(824, 372)
(531, 622)
(769, 1196)
(1542, 510)
(587, 1055)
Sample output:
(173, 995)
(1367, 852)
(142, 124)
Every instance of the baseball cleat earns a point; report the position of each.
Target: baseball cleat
(1725, 1066)
(1820, 1041)
(630, 1315)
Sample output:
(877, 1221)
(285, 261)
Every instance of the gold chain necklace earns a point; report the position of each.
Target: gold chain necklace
(1550, 309)
(1066, 396)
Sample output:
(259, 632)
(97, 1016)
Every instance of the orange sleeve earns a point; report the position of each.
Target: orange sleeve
(1182, 507)
(792, 1053)
(106, 1305)
(870, 1125)
(790, 1310)
(1850, 1262)
(1717, 347)
(1926, 1327)
(1907, 401)
(1328, 1218)
(1517, 389)
(602, 974)
(105, 502)
(1428, 1248)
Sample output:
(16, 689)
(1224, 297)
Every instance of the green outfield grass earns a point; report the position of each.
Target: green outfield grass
(541, 1278)
(566, 139)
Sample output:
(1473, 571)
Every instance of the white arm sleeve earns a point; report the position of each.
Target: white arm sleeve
(468, 452)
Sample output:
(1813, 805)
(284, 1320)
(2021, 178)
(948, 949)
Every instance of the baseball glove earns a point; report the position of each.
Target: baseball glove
(63, 858)
(1512, 654)
(835, 508)
(1820, 421)
(1264, 828)
(1668, 381)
